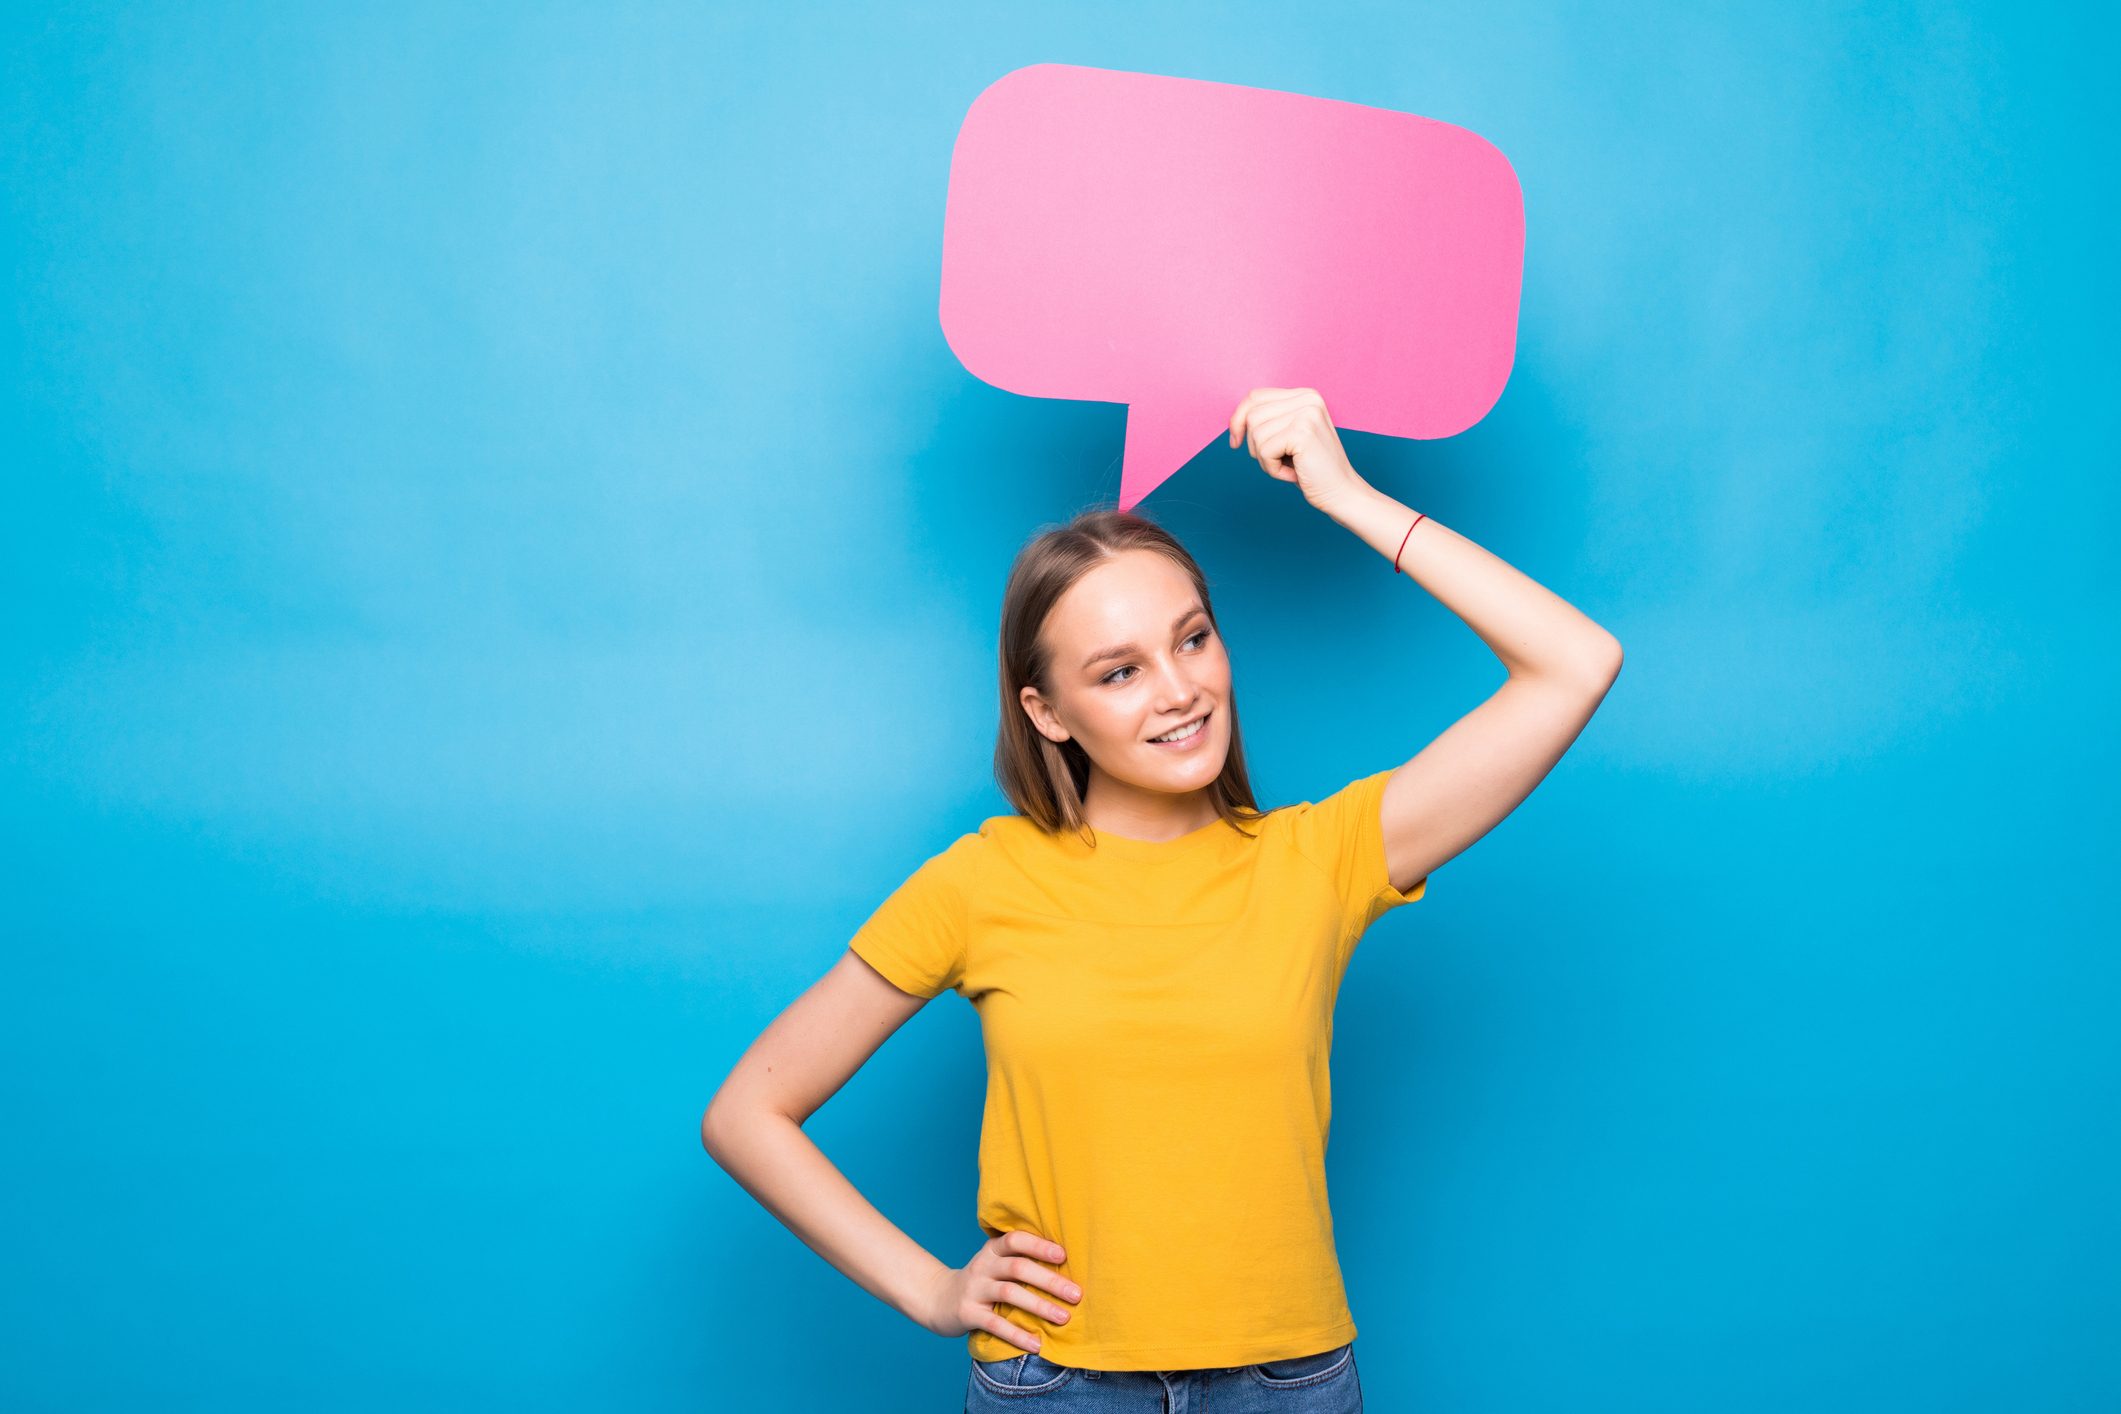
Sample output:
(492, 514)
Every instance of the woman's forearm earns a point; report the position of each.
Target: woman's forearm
(754, 1129)
(1535, 632)
(778, 1164)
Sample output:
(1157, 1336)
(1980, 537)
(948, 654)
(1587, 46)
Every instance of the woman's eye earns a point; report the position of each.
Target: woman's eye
(1121, 674)
(1196, 641)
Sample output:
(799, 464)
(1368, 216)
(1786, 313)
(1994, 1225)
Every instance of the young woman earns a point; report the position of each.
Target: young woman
(1154, 962)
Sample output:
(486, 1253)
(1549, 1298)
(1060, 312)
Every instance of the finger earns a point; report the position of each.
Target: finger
(1319, 418)
(1256, 434)
(1250, 408)
(1276, 410)
(995, 1323)
(1302, 407)
(1273, 431)
(1263, 405)
(1276, 438)
(1024, 1299)
(1030, 1273)
(1271, 463)
(1028, 1244)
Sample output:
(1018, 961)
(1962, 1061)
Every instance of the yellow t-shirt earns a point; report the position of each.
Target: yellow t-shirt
(1158, 1020)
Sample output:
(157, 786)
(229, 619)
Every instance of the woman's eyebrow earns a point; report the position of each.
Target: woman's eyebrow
(1128, 650)
(1122, 650)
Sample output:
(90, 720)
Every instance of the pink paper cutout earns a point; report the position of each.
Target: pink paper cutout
(1172, 244)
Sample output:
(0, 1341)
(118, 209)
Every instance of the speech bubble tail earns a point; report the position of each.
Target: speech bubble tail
(1160, 440)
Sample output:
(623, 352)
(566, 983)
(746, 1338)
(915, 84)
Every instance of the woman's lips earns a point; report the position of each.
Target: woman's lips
(1196, 732)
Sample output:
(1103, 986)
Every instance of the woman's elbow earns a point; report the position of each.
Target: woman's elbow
(1595, 664)
(716, 1127)
(737, 1119)
(1610, 658)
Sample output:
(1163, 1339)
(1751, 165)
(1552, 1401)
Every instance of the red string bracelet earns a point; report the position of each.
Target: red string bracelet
(1419, 517)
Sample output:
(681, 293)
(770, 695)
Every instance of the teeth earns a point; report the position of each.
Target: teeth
(1181, 733)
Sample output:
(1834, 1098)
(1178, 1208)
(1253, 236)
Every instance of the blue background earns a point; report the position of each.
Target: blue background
(500, 575)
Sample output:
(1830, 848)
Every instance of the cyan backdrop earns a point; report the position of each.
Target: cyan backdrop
(500, 576)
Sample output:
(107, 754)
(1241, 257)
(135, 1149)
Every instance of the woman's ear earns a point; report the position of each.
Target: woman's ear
(1040, 712)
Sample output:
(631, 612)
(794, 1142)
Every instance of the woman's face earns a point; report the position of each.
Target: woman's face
(1137, 675)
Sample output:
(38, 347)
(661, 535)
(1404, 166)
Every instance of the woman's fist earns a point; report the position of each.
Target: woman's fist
(1007, 1269)
(1291, 435)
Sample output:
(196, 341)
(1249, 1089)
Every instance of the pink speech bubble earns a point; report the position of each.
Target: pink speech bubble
(1172, 244)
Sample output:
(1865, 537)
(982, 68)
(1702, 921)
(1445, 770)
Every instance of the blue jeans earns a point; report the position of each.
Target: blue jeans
(1310, 1384)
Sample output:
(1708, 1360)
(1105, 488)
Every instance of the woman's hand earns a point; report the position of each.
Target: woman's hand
(1007, 1269)
(1289, 432)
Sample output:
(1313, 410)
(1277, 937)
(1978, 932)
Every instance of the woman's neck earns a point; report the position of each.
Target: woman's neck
(1132, 813)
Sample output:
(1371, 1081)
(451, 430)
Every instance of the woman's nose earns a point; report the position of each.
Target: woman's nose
(1174, 688)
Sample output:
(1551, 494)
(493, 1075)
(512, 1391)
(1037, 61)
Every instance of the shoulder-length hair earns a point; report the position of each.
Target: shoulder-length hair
(1045, 780)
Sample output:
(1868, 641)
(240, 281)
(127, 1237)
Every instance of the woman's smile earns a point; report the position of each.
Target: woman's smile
(1184, 737)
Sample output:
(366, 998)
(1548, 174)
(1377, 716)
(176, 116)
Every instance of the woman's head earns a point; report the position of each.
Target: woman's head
(1111, 661)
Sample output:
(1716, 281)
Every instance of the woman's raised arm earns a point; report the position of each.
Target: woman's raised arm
(754, 1129)
(1560, 663)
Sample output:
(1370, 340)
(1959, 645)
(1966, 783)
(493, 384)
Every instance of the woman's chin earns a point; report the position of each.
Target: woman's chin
(1193, 772)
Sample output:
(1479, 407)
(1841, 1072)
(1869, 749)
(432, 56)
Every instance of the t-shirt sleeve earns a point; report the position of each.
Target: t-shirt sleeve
(1344, 836)
(917, 939)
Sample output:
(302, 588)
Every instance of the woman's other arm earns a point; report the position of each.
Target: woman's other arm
(1560, 663)
(754, 1129)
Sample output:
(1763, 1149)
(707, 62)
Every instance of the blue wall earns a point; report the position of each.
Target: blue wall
(500, 575)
